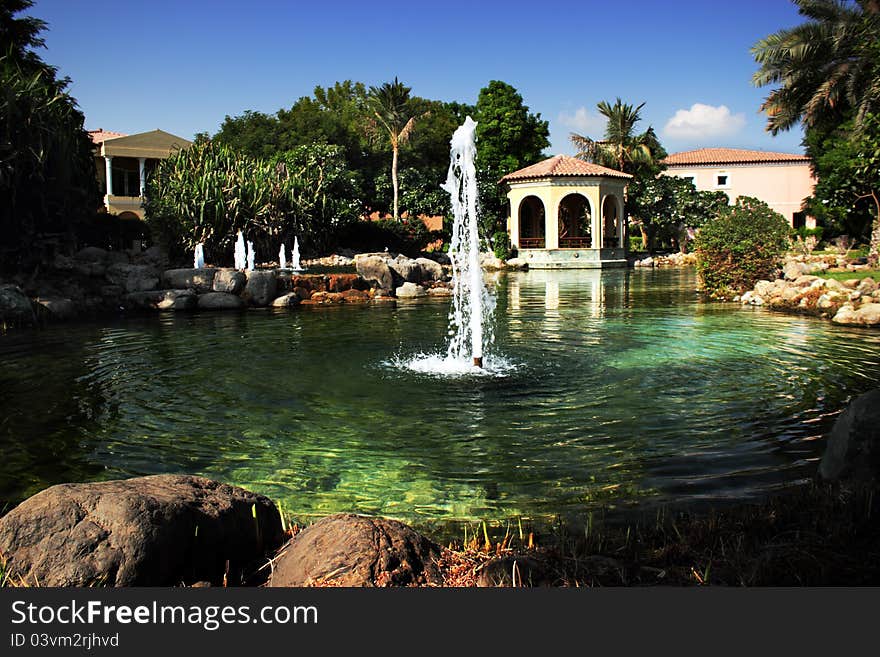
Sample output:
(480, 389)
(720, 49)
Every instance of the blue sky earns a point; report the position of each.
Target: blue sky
(183, 65)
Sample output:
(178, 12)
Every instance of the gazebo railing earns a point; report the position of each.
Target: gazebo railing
(611, 242)
(574, 242)
(531, 242)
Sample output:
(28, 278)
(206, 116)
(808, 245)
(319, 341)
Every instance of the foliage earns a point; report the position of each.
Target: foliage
(740, 246)
(622, 149)
(47, 170)
(509, 138)
(501, 245)
(828, 68)
(670, 208)
(407, 237)
(208, 192)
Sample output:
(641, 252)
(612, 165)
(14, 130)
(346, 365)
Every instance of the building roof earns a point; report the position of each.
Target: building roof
(730, 156)
(563, 165)
(100, 135)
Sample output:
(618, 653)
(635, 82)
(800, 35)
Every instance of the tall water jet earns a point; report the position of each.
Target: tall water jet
(294, 256)
(199, 257)
(472, 304)
(240, 257)
(250, 256)
(282, 258)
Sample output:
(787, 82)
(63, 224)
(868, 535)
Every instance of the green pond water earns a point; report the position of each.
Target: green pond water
(618, 390)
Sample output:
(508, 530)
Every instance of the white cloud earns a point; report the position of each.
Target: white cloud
(583, 122)
(703, 122)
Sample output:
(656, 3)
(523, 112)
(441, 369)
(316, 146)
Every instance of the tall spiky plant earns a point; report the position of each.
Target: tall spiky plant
(622, 148)
(826, 68)
(391, 107)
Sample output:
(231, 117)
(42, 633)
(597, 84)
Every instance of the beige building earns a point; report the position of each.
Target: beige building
(123, 163)
(565, 213)
(782, 180)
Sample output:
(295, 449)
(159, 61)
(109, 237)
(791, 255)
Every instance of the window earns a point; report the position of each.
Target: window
(722, 179)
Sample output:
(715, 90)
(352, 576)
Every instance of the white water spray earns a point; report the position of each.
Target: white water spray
(250, 256)
(294, 257)
(472, 304)
(282, 258)
(240, 257)
(199, 257)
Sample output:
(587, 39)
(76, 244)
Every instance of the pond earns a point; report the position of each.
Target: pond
(620, 390)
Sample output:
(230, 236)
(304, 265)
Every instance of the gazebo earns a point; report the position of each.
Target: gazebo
(565, 213)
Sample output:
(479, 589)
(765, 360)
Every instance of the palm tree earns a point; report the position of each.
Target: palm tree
(827, 67)
(391, 107)
(621, 149)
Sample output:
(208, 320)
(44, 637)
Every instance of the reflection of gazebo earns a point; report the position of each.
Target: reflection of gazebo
(553, 219)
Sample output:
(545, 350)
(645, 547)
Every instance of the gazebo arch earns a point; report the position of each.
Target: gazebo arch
(611, 221)
(532, 223)
(575, 222)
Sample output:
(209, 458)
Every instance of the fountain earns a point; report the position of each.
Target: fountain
(282, 258)
(294, 256)
(240, 258)
(472, 304)
(250, 256)
(199, 258)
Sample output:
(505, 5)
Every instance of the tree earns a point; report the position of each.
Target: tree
(47, 169)
(390, 105)
(509, 137)
(622, 148)
(827, 68)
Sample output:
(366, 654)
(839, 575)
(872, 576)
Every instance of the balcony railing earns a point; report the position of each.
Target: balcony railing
(575, 242)
(531, 242)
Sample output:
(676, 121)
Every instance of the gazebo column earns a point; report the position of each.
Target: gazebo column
(551, 221)
(142, 172)
(596, 226)
(108, 167)
(621, 224)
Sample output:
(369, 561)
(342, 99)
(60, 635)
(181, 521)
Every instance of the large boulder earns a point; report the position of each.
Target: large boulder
(58, 307)
(260, 288)
(178, 300)
(353, 550)
(853, 450)
(162, 530)
(132, 278)
(219, 301)
(286, 300)
(407, 270)
(867, 314)
(15, 307)
(430, 270)
(200, 280)
(229, 280)
(375, 269)
(410, 291)
(91, 254)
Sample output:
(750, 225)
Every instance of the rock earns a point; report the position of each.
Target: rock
(852, 283)
(219, 301)
(439, 292)
(91, 254)
(646, 262)
(200, 280)
(132, 278)
(517, 571)
(260, 288)
(490, 261)
(178, 300)
(764, 288)
(63, 263)
(353, 550)
(867, 286)
(229, 280)
(303, 293)
(117, 258)
(93, 269)
(15, 307)
(868, 314)
(430, 270)
(410, 291)
(355, 296)
(289, 299)
(375, 269)
(806, 280)
(853, 450)
(111, 291)
(792, 269)
(407, 270)
(517, 263)
(162, 530)
(342, 282)
(58, 307)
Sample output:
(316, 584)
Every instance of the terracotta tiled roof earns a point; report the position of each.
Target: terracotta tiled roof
(100, 135)
(730, 156)
(563, 165)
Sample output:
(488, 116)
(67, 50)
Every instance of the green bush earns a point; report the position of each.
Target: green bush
(407, 237)
(635, 242)
(501, 245)
(803, 232)
(742, 245)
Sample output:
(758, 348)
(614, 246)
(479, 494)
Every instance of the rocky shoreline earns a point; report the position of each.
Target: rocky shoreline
(182, 530)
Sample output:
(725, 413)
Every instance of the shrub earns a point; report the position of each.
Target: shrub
(407, 237)
(501, 245)
(742, 245)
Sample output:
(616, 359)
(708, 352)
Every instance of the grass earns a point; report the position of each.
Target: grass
(849, 275)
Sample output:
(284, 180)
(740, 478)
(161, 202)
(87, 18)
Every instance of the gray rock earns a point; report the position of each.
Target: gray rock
(133, 278)
(229, 280)
(58, 307)
(63, 263)
(200, 280)
(853, 450)
(410, 291)
(219, 301)
(162, 530)
(792, 269)
(407, 270)
(93, 269)
(91, 254)
(289, 299)
(439, 292)
(430, 270)
(178, 300)
(15, 307)
(352, 550)
(868, 314)
(375, 269)
(260, 288)
(117, 258)
(517, 263)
